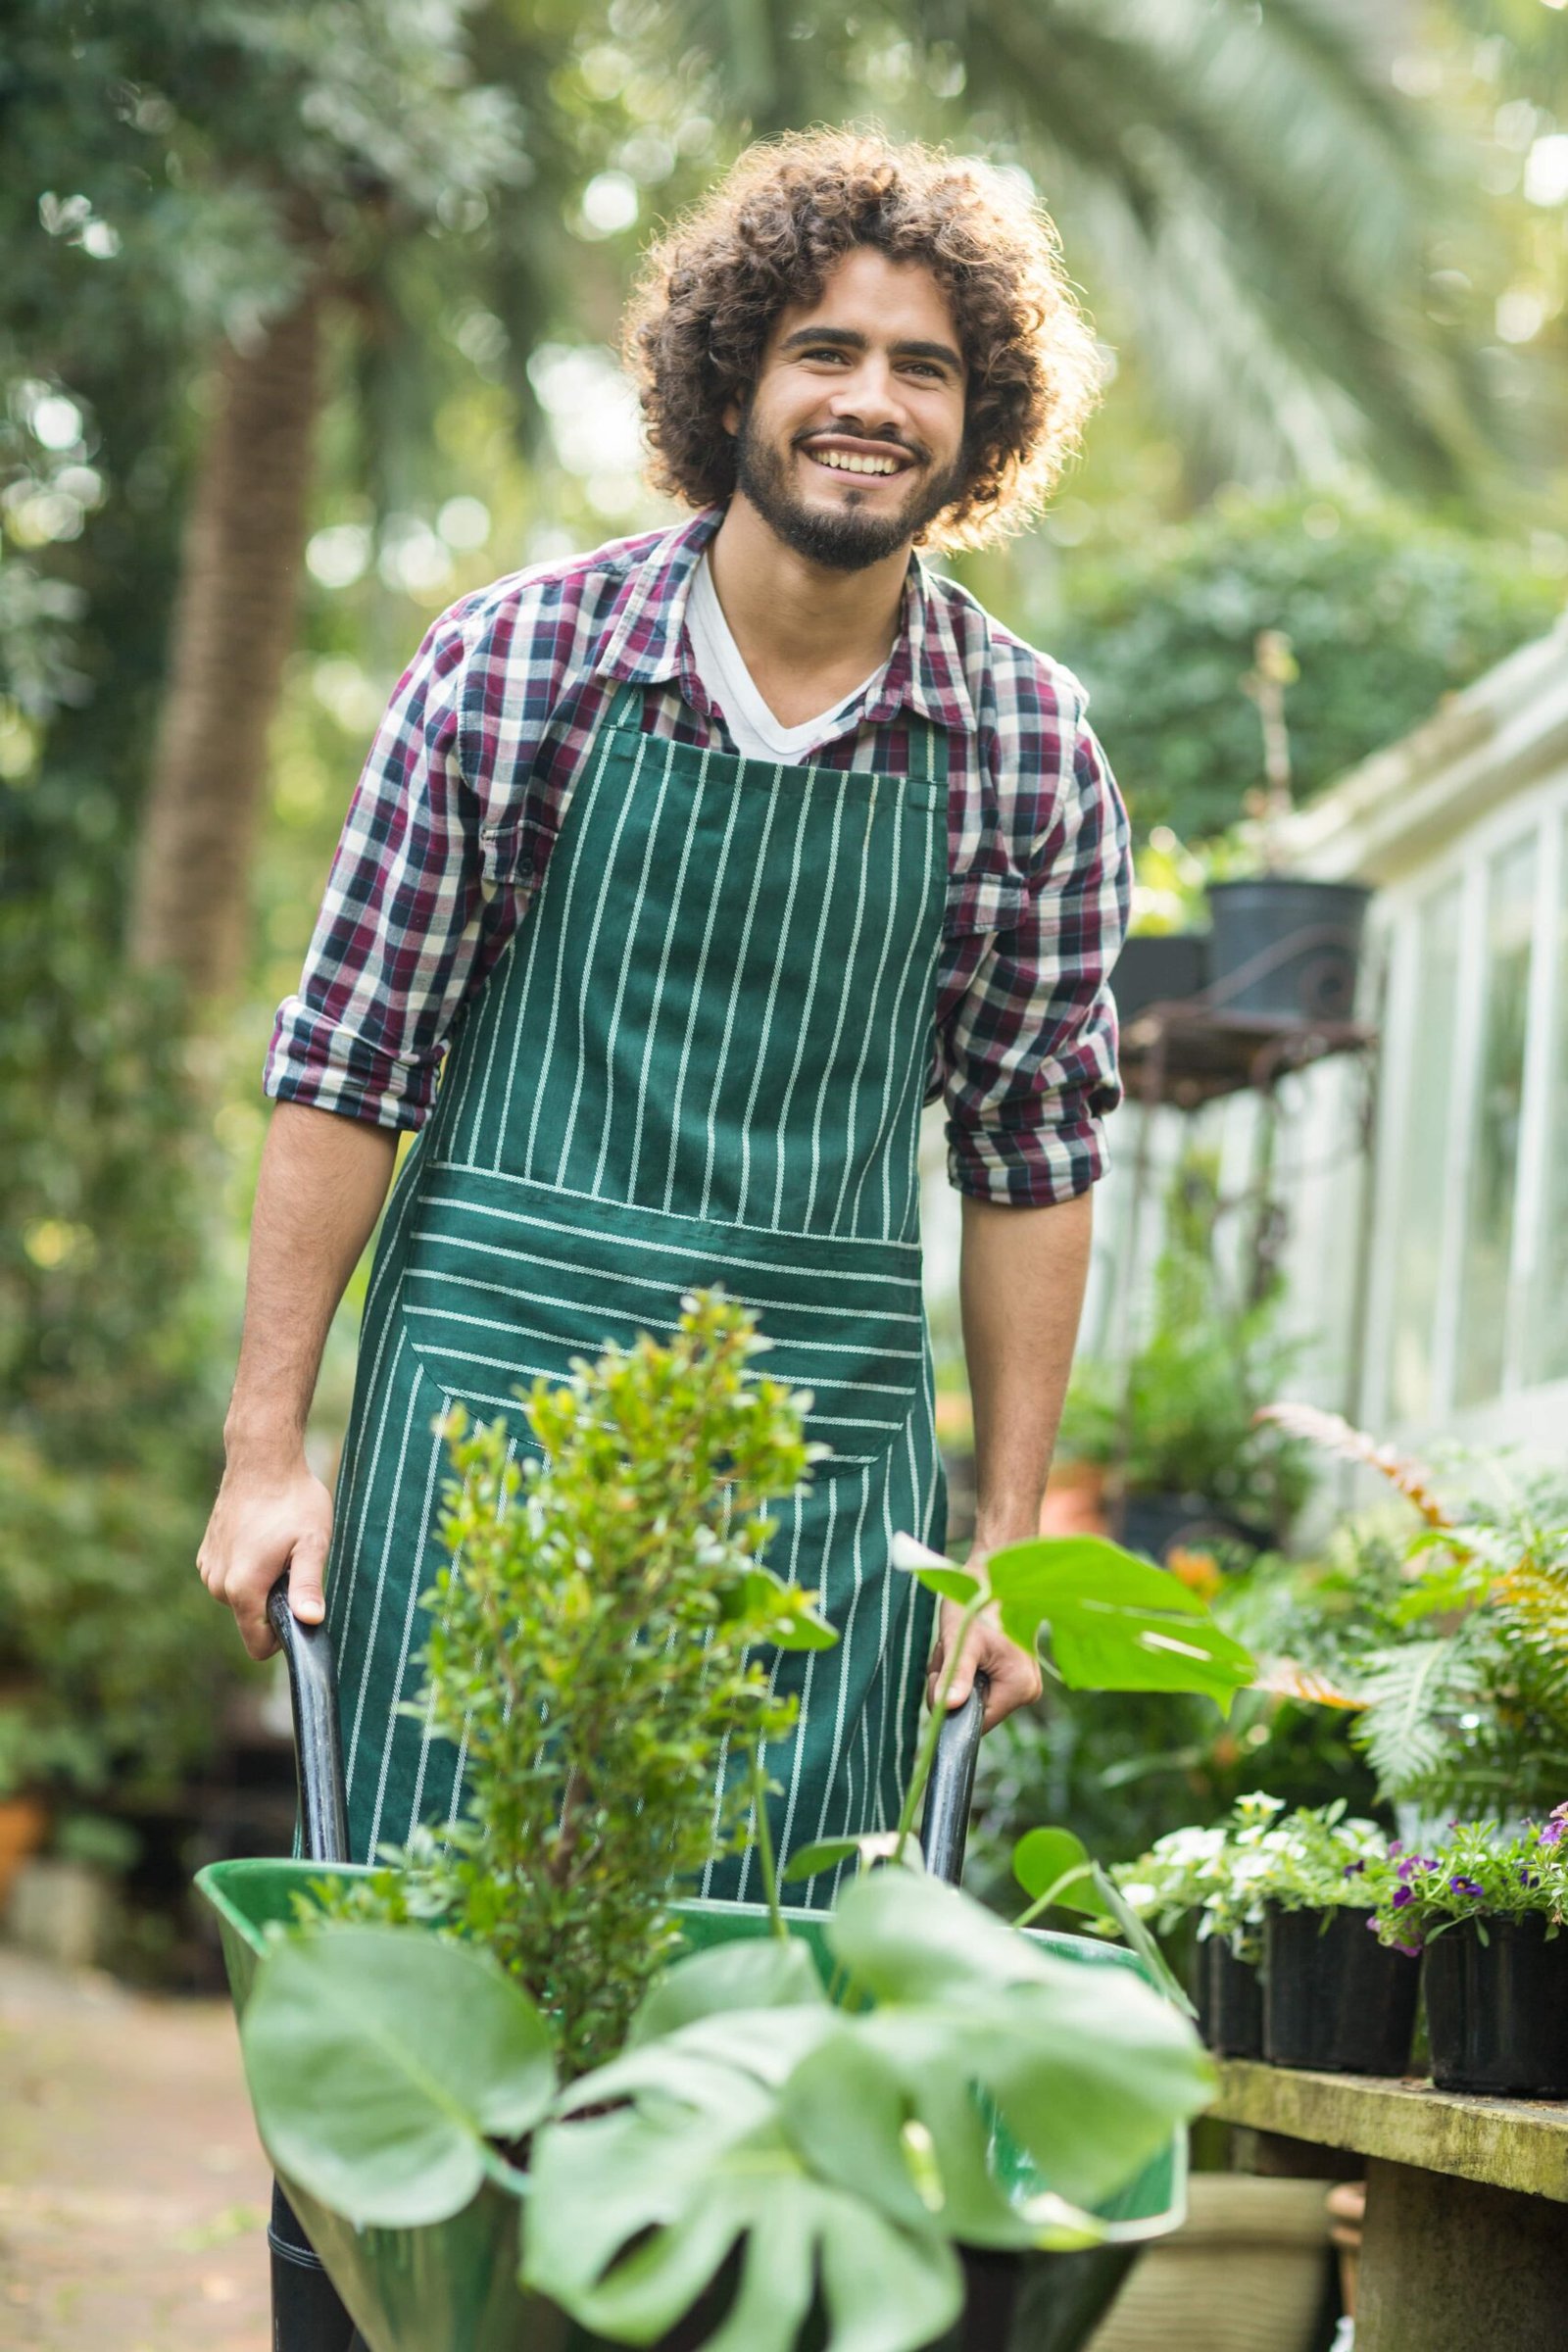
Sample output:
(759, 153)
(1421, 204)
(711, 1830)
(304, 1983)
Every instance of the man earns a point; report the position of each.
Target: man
(702, 860)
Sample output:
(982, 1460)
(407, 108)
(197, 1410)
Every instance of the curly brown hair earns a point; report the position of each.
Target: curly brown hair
(770, 234)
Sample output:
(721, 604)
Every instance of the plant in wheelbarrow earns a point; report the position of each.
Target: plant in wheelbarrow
(526, 2091)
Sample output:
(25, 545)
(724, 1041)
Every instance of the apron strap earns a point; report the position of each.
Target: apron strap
(928, 742)
(933, 751)
(626, 710)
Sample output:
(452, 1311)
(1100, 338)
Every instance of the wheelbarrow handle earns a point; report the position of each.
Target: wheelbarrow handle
(944, 1825)
(319, 1750)
(318, 1742)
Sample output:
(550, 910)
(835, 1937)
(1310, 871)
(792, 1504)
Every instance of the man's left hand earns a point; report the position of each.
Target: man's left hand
(1014, 1674)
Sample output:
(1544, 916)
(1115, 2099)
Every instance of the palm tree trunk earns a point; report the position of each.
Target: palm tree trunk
(232, 628)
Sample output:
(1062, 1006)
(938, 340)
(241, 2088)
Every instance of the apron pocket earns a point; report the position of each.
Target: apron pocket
(506, 1280)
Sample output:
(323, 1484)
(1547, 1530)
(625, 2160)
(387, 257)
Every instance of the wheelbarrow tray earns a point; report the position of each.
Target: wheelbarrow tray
(452, 2287)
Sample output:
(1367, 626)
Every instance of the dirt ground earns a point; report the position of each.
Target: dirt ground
(133, 2194)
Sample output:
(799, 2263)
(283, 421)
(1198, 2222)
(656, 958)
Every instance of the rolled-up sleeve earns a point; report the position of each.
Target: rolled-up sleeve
(401, 923)
(1029, 1051)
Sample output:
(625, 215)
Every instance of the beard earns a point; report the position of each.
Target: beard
(849, 538)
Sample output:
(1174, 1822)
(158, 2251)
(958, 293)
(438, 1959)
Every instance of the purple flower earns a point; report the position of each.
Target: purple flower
(1351, 1868)
(1529, 1878)
(1553, 1833)
(1395, 1845)
(1412, 1951)
(1463, 1885)
(1401, 1896)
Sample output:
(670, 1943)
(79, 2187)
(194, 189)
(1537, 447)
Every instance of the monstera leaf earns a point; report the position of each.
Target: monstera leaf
(760, 1974)
(1089, 2069)
(1113, 1622)
(633, 2214)
(382, 2062)
(843, 2153)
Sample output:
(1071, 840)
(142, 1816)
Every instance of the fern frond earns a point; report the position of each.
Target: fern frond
(1410, 1697)
(1336, 1435)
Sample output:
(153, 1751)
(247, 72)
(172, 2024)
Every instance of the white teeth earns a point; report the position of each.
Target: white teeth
(844, 461)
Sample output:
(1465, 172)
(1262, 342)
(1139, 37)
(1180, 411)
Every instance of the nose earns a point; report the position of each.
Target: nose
(869, 398)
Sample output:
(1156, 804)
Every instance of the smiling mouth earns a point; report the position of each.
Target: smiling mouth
(860, 462)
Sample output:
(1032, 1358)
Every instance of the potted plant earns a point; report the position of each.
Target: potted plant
(1282, 947)
(1164, 958)
(1213, 1877)
(1487, 1908)
(1335, 1998)
(1443, 1627)
(517, 2078)
(1176, 1429)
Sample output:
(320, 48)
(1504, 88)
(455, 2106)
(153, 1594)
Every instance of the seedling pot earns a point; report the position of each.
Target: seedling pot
(1497, 2012)
(1286, 947)
(1335, 1999)
(1234, 2002)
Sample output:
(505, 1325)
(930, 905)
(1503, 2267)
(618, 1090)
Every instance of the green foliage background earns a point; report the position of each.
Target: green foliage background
(1387, 611)
(481, 176)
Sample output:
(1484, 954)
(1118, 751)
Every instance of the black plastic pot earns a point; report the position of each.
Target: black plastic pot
(1155, 1525)
(1199, 1974)
(1162, 969)
(1335, 1998)
(1497, 2012)
(1286, 947)
(1235, 2003)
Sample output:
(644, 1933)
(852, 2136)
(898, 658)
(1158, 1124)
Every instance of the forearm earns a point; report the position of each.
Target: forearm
(1022, 1281)
(322, 1181)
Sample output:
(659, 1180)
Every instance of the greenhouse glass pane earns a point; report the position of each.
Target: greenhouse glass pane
(1417, 1235)
(1495, 1135)
(1547, 1311)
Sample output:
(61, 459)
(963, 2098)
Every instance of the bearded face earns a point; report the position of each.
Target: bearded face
(852, 441)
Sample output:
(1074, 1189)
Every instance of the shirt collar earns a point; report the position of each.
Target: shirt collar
(643, 642)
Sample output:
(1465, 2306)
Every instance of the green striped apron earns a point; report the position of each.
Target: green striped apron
(700, 1061)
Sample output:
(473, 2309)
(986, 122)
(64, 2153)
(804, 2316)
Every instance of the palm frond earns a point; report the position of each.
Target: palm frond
(1334, 1434)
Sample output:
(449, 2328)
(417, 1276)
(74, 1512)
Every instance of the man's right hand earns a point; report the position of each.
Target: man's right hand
(266, 1519)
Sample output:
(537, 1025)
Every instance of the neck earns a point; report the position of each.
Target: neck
(808, 634)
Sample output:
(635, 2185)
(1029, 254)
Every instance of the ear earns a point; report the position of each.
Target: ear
(730, 418)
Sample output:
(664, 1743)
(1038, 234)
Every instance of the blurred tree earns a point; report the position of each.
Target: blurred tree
(1252, 193)
(1386, 613)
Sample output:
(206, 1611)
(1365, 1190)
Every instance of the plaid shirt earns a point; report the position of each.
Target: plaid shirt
(462, 796)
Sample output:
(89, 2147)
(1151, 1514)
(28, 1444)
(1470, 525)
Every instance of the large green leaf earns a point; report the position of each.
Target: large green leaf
(1114, 1622)
(382, 2062)
(844, 2109)
(755, 1973)
(633, 2214)
(1088, 2067)
(873, 2116)
(1054, 1863)
(935, 1571)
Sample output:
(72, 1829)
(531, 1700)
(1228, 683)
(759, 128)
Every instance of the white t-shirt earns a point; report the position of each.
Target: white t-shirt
(758, 734)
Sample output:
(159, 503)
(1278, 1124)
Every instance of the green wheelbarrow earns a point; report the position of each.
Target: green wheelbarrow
(452, 2287)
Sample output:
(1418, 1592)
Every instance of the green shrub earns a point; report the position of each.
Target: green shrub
(594, 1652)
(1386, 611)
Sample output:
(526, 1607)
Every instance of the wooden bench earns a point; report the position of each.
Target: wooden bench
(1466, 2238)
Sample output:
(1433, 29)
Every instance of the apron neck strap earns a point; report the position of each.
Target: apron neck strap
(626, 710)
(928, 743)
